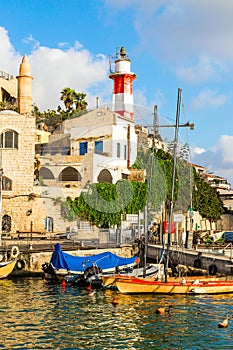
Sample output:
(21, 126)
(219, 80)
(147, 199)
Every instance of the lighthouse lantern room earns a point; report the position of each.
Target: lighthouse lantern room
(122, 101)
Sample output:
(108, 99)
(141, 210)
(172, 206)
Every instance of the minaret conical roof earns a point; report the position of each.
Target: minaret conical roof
(25, 68)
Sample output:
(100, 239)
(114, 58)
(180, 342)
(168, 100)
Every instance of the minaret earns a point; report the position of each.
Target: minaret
(122, 87)
(25, 87)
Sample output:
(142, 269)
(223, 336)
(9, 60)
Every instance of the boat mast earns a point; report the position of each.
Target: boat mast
(173, 181)
(1, 174)
(148, 206)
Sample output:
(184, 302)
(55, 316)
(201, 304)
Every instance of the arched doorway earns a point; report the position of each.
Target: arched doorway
(46, 174)
(105, 176)
(69, 174)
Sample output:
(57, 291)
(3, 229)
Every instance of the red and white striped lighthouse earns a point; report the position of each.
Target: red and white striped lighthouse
(122, 99)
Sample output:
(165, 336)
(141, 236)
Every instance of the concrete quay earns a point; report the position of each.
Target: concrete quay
(210, 259)
(33, 254)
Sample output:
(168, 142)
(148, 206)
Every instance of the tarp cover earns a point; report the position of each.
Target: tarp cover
(106, 260)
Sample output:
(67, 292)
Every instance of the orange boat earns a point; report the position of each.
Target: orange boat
(205, 286)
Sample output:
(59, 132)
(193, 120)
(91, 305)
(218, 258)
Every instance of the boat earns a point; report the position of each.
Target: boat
(6, 267)
(74, 268)
(8, 262)
(153, 271)
(184, 286)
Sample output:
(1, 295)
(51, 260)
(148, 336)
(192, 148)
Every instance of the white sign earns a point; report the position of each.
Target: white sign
(178, 217)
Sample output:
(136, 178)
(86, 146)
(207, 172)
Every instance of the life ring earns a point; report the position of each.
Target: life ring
(20, 265)
(14, 252)
(213, 269)
(197, 263)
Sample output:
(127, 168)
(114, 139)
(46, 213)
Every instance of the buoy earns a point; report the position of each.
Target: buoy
(14, 252)
(224, 323)
(91, 293)
(89, 287)
(213, 269)
(20, 264)
(63, 284)
(115, 301)
(163, 310)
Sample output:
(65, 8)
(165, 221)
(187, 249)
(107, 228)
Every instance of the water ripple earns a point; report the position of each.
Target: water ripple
(39, 315)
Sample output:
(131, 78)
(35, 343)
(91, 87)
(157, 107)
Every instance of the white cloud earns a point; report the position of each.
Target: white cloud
(201, 71)
(9, 58)
(56, 68)
(198, 150)
(208, 98)
(194, 37)
(219, 158)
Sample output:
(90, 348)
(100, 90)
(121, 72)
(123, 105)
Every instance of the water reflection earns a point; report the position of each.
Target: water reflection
(40, 315)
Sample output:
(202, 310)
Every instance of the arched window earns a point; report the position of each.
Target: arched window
(46, 174)
(6, 223)
(9, 139)
(69, 174)
(105, 176)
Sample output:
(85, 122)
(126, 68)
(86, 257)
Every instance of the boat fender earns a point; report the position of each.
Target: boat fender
(20, 265)
(213, 269)
(14, 252)
(197, 263)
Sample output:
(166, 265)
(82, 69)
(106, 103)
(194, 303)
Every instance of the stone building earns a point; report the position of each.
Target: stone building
(17, 135)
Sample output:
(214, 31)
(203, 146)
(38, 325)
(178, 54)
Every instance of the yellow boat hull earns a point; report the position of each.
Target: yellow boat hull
(6, 268)
(137, 286)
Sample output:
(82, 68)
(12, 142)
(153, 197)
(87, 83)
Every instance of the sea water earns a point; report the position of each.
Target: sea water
(36, 314)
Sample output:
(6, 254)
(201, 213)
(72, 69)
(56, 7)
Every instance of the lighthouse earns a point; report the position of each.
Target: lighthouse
(122, 99)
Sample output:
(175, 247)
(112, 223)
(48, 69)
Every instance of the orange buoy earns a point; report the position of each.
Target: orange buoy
(89, 287)
(115, 301)
(91, 293)
(163, 310)
(63, 284)
(224, 323)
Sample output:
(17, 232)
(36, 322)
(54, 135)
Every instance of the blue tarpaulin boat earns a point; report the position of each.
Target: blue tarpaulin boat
(64, 263)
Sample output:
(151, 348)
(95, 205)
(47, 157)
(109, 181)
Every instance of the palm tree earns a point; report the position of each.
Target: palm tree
(80, 101)
(68, 96)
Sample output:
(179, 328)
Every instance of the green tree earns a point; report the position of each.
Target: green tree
(109, 199)
(206, 199)
(80, 101)
(68, 96)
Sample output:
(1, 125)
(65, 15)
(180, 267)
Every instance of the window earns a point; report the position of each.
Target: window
(48, 224)
(65, 151)
(99, 147)
(53, 151)
(9, 139)
(6, 184)
(125, 152)
(83, 148)
(118, 150)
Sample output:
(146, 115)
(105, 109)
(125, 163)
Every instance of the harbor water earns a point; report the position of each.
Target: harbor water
(36, 314)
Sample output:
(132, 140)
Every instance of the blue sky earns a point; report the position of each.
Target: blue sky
(172, 44)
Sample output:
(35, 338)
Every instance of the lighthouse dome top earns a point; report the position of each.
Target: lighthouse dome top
(123, 52)
(122, 63)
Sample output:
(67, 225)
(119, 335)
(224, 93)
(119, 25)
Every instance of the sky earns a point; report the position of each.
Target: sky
(171, 43)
